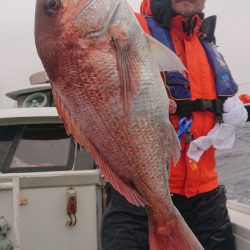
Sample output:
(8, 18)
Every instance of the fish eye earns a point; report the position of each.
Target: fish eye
(53, 4)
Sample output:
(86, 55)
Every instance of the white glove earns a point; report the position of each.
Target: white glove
(222, 136)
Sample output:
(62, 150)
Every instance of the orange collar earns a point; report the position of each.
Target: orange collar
(145, 8)
(186, 27)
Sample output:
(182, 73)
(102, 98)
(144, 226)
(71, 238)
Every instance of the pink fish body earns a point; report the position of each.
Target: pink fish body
(108, 90)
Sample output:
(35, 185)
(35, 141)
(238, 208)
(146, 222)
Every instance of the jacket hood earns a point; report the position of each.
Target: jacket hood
(145, 8)
(160, 10)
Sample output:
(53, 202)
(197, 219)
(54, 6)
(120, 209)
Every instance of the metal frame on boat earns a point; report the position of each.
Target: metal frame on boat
(34, 207)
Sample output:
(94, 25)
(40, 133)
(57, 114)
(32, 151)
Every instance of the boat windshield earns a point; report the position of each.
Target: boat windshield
(26, 148)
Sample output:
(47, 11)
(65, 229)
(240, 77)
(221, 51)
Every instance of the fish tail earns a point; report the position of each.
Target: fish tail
(172, 235)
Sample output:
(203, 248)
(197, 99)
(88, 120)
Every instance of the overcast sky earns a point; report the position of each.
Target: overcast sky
(18, 57)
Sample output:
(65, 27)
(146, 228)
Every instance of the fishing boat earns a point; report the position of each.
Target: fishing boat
(51, 195)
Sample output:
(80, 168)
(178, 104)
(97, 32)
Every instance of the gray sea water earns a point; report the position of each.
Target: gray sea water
(234, 167)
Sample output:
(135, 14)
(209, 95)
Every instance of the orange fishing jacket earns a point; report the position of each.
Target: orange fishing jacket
(190, 178)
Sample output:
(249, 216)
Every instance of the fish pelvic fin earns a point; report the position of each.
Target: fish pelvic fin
(79, 138)
(174, 234)
(175, 149)
(126, 66)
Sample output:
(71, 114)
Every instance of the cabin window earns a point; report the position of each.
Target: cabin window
(28, 148)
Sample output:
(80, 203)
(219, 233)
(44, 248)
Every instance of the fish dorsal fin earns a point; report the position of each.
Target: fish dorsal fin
(165, 59)
(126, 66)
(73, 129)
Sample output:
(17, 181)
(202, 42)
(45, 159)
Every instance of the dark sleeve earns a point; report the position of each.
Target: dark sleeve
(248, 111)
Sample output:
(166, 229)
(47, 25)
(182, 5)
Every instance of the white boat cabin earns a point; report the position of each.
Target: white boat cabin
(51, 195)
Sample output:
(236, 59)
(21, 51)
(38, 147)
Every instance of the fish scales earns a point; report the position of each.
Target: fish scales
(110, 95)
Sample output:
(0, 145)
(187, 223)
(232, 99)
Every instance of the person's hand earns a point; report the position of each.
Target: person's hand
(234, 112)
(172, 106)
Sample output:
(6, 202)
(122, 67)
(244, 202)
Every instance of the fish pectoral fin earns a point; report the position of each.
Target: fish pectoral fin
(165, 59)
(127, 66)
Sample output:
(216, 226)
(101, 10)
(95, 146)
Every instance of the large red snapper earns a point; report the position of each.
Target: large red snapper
(108, 90)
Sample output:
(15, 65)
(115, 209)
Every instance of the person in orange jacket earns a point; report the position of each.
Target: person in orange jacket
(199, 97)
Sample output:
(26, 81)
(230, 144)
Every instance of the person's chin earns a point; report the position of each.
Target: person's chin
(185, 10)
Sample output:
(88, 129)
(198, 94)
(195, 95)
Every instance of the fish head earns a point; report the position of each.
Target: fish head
(61, 24)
